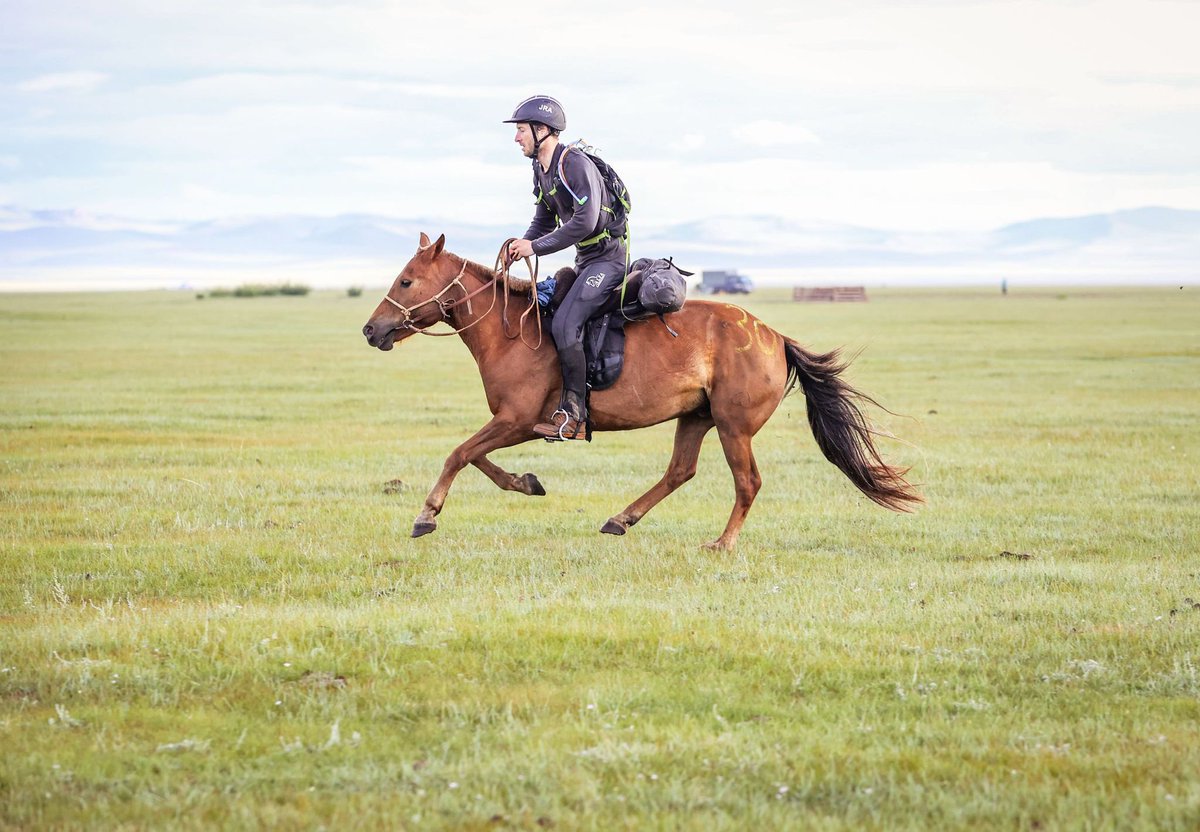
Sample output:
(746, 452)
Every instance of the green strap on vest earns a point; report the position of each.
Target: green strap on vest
(590, 241)
(625, 279)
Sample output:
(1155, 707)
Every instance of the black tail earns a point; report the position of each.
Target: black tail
(842, 430)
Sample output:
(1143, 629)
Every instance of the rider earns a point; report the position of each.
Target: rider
(573, 208)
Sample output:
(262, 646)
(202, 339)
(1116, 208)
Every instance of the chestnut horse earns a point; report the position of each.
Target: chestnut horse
(726, 369)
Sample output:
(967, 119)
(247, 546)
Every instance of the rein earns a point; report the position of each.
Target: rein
(503, 261)
(500, 277)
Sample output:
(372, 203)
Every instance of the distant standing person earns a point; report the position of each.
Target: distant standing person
(573, 208)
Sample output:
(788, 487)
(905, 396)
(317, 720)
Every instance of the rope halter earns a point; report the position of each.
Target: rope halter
(443, 306)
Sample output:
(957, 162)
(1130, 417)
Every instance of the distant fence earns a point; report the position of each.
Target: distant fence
(830, 294)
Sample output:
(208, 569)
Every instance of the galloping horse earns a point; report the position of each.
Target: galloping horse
(726, 369)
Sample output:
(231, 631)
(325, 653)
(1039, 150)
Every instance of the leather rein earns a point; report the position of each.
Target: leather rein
(500, 278)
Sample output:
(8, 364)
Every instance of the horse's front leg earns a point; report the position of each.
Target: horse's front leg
(498, 433)
(526, 483)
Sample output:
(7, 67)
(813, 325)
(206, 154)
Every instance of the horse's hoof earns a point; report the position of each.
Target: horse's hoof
(612, 527)
(715, 546)
(532, 487)
(422, 528)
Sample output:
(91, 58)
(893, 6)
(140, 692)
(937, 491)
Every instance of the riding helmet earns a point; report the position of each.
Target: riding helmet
(540, 109)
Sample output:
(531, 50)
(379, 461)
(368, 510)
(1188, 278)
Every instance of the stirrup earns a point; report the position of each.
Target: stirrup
(580, 431)
(580, 427)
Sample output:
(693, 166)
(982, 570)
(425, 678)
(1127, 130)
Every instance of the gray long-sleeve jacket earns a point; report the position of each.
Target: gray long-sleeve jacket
(582, 216)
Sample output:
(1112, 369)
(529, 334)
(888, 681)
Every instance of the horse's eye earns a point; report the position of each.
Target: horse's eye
(406, 283)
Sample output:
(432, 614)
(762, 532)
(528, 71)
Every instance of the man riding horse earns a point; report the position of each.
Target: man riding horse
(573, 208)
(724, 368)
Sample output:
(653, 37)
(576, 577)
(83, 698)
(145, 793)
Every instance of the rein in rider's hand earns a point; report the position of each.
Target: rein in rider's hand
(518, 249)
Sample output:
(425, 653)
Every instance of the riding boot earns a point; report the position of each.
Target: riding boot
(568, 422)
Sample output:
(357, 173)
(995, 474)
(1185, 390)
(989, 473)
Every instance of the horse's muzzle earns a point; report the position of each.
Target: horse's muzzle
(380, 337)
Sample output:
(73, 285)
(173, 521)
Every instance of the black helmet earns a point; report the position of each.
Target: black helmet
(540, 109)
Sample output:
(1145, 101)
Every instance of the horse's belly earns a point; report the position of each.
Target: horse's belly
(623, 407)
(658, 383)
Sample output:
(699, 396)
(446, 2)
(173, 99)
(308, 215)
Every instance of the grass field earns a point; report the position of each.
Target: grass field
(212, 613)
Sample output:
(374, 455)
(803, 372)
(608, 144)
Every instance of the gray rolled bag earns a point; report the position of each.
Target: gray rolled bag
(663, 286)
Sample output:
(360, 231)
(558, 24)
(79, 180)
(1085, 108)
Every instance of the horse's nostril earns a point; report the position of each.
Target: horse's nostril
(368, 330)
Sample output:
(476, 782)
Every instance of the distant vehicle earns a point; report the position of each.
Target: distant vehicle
(729, 282)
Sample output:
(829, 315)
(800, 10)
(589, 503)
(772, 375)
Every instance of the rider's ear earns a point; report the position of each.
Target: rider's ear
(439, 245)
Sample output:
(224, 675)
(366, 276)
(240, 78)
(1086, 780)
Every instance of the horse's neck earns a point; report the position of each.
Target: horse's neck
(481, 323)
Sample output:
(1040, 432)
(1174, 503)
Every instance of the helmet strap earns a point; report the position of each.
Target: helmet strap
(537, 143)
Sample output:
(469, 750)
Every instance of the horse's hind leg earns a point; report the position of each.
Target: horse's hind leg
(526, 483)
(689, 435)
(735, 439)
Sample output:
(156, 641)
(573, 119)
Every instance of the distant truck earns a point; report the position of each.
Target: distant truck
(729, 282)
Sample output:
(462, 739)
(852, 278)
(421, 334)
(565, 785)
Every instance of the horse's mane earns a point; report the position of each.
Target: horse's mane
(520, 286)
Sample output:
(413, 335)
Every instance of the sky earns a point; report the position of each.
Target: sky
(911, 116)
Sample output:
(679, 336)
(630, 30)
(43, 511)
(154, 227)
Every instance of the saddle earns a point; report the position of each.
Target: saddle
(604, 333)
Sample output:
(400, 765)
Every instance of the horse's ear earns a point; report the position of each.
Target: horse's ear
(424, 243)
(439, 245)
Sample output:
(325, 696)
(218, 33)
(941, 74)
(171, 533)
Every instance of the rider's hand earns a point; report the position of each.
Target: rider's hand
(518, 249)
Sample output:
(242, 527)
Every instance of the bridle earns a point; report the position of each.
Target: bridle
(500, 276)
(444, 307)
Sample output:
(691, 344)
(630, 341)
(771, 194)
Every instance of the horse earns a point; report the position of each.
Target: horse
(715, 365)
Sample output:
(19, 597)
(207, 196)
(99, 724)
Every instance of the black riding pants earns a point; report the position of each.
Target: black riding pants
(601, 268)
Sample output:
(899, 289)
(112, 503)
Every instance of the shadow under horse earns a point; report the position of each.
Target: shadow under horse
(726, 369)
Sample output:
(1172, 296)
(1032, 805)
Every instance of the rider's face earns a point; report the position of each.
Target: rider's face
(524, 138)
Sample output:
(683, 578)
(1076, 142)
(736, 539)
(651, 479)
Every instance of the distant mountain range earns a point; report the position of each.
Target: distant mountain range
(67, 249)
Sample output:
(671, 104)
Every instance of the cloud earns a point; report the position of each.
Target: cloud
(916, 109)
(1143, 79)
(72, 82)
(765, 133)
(949, 196)
(688, 142)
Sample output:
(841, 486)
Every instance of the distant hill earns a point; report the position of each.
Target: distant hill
(49, 248)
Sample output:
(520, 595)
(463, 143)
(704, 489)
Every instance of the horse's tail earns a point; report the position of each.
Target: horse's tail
(842, 430)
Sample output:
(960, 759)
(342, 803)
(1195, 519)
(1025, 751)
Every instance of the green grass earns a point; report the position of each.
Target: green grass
(212, 615)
